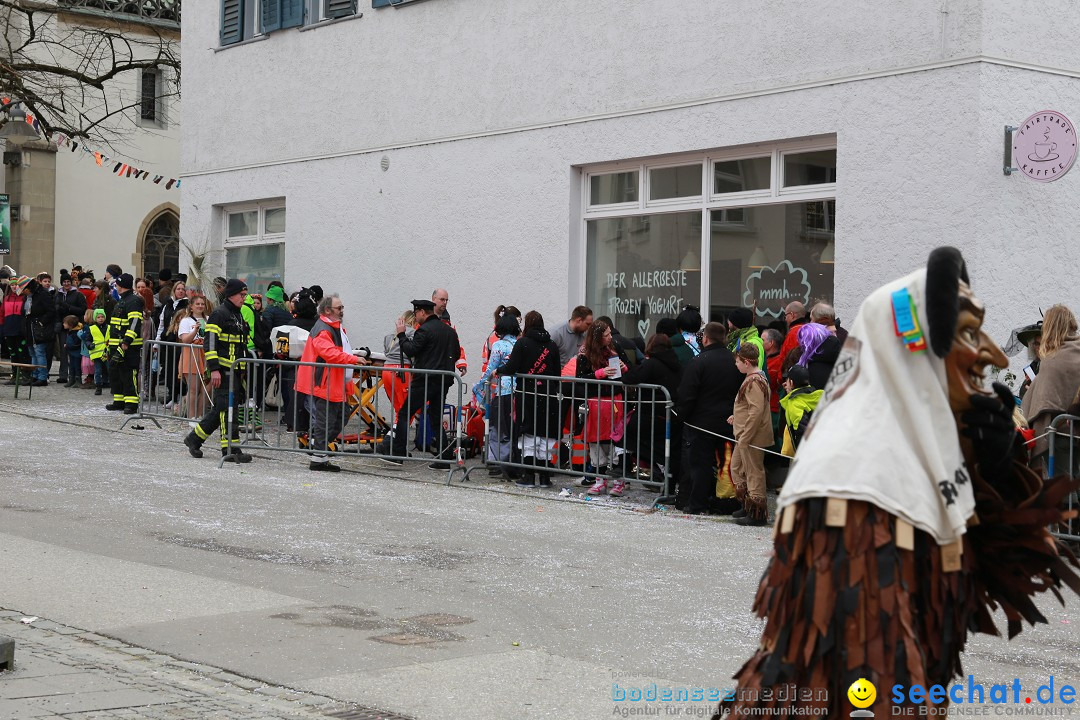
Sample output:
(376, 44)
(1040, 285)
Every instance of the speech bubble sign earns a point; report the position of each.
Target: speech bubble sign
(770, 289)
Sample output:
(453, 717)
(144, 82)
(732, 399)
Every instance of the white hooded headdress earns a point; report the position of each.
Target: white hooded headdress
(884, 432)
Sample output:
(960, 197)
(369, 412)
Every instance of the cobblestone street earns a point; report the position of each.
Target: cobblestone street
(66, 672)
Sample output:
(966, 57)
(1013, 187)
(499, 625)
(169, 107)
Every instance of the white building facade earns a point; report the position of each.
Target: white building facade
(635, 157)
(71, 208)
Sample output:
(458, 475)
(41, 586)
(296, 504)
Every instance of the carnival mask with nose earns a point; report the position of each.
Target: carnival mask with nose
(956, 318)
(971, 353)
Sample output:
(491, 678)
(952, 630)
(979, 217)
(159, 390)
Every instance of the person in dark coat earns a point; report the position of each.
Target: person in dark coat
(628, 351)
(668, 326)
(40, 312)
(594, 363)
(434, 346)
(818, 350)
(644, 436)
(274, 313)
(69, 301)
(707, 393)
(304, 315)
(535, 360)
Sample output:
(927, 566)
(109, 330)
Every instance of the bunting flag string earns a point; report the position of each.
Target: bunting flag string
(120, 169)
(116, 167)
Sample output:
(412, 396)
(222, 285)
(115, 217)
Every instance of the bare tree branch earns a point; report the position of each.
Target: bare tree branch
(77, 65)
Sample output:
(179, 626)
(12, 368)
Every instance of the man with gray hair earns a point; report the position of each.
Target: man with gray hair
(795, 315)
(441, 297)
(327, 344)
(824, 314)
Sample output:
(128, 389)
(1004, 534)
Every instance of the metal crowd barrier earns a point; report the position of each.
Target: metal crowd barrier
(164, 392)
(582, 427)
(1070, 529)
(364, 425)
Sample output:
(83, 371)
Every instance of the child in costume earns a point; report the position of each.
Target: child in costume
(909, 513)
(798, 406)
(752, 422)
(95, 337)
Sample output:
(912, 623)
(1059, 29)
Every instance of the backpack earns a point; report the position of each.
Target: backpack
(288, 341)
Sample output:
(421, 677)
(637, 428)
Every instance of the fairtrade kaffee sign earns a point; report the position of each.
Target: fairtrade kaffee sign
(1044, 146)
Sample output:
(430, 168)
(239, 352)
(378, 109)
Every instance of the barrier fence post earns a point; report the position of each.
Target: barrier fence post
(1069, 529)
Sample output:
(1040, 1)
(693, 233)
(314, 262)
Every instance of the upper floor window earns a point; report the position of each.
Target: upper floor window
(245, 19)
(151, 97)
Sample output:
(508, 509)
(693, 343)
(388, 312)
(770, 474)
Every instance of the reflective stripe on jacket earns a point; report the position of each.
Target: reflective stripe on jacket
(99, 339)
(125, 324)
(225, 343)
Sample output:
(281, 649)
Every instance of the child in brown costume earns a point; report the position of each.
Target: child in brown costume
(909, 514)
(753, 430)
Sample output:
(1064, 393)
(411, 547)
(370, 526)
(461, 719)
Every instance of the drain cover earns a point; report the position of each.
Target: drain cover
(363, 713)
(406, 639)
(440, 619)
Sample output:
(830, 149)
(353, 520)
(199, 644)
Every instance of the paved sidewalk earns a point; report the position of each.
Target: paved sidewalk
(65, 672)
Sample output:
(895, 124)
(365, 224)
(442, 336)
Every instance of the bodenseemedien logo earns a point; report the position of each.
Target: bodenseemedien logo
(862, 695)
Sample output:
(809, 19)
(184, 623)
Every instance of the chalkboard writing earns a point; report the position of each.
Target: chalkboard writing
(769, 290)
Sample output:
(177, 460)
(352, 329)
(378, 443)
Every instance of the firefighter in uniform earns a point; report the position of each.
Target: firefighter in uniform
(225, 346)
(125, 347)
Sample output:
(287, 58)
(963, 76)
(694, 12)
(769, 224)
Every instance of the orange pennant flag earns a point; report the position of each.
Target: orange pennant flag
(97, 158)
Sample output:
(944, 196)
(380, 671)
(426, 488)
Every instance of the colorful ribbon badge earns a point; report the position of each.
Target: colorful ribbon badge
(906, 321)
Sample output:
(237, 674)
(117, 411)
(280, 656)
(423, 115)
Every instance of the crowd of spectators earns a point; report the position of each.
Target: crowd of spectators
(737, 387)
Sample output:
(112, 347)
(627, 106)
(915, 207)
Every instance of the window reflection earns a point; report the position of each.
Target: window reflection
(786, 242)
(742, 175)
(810, 168)
(643, 268)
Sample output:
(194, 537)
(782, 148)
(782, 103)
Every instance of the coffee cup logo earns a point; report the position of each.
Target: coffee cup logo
(1044, 151)
(1044, 147)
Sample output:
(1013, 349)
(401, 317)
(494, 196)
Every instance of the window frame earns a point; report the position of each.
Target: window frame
(707, 202)
(779, 171)
(632, 204)
(717, 197)
(160, 120)
(665, 202)
(261, 237)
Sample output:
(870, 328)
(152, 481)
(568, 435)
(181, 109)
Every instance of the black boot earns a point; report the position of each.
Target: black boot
(526, 478)
(544, 477)
(193, 443)
(236, 456)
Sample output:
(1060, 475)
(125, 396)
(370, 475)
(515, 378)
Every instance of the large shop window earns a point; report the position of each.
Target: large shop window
(255, 244)
(751, 228)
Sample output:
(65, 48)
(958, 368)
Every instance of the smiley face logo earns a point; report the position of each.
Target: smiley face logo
(862, 693)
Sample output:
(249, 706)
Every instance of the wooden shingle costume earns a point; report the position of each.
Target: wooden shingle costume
(909, 514)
